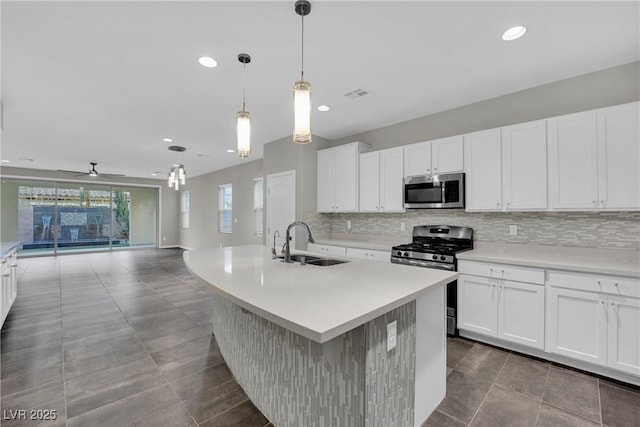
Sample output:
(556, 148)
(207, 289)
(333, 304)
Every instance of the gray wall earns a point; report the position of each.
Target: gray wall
(604, 88)
(203, 215)
(169, 235)
(284, 155)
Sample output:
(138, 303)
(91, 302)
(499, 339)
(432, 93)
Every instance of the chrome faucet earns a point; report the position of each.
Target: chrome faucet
(287, 249)
(273, 249)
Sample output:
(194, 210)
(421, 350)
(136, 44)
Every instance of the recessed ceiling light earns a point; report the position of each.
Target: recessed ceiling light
(230, 151)
(167, 139)
(323, 108)
(6, 161)
(207, 62)
(514, 33)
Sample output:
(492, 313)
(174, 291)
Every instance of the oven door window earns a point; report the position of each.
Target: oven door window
(423, 193)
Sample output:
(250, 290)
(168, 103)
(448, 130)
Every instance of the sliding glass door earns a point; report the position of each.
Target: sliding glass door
(61, 217)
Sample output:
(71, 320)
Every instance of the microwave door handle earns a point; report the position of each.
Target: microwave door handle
(443, 193)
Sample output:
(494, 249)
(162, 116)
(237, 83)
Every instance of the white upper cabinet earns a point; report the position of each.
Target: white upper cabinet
(370, 182)
(433, 157)
(447, 155)
(338, 178)
(482, 159)
(573, 161)
(524, 166)
(506, 168)
(619, 157)
(417, 159)
(381, 175)
(594, 159)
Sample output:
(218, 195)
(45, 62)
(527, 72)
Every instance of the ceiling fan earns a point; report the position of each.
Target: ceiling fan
(93, 172)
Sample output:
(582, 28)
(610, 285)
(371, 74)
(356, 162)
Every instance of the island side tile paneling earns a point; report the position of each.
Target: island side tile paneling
(294, 381)
(390, 375)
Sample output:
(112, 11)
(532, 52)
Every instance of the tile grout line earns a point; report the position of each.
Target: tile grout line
(227, 410)
(544, 391)
(493, 383)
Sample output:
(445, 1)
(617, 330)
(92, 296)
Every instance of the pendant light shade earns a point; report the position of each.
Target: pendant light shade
(302, 90)
(243, 118)
(177, 175)
(302, 109)
(244, 133)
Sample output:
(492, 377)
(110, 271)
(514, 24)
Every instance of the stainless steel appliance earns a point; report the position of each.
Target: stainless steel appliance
(436, 246)
(444, 191)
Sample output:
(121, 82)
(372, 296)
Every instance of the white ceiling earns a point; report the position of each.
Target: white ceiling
(106, 81)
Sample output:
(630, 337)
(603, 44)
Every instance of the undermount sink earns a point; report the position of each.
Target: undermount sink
(314, 260)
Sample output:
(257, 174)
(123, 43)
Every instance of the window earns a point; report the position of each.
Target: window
(258, 205)
(224, 208)
(184, 208)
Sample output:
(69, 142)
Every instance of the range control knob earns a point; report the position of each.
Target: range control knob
(442, 257)
(399, 253)
(435, 257)
(406, 254)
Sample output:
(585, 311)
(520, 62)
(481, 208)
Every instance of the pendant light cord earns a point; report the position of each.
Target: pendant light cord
(244, 83)
(302, 55)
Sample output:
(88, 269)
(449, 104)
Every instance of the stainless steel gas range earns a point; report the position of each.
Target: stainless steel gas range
(436, 246)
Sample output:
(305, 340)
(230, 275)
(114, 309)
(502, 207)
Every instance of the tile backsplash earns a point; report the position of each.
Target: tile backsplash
(607, 230)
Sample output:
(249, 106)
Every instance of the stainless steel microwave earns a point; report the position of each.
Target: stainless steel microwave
(444, 191)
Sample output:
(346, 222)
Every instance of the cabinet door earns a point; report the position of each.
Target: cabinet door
(624, 334)
(417, 159)
(521, 313)
(482, 160)
(477, 305)
(326, 180)
(391, 172)
(577, 325)
(370, 182)
(346, 179)
(573, 160)
(619, 157)
(524, 166)
(327, 249)
(447, 155)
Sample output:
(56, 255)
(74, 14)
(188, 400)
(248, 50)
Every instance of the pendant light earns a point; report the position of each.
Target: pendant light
(302, 90)
(177, 176)
(243, 117)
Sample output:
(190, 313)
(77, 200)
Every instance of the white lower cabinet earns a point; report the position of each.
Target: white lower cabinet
(369, 254)
(595, 327)
(8, 284)
(504, 309)
(577, 325)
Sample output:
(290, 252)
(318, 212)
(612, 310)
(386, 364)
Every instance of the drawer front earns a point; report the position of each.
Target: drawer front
(622, 286)
(327, 249)
(502, 271)
(369, 254)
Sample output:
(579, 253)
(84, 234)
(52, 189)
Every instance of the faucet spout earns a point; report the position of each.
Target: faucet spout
(287, 248)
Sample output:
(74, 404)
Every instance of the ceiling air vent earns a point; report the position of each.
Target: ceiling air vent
(358, 93)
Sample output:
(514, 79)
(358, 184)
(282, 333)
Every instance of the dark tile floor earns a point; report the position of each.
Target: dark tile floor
(488, 386)
(124, 339)
(115, 339)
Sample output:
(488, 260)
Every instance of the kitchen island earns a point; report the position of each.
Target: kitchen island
(309, 343)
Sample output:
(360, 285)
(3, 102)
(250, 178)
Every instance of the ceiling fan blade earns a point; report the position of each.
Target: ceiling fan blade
(63, 170)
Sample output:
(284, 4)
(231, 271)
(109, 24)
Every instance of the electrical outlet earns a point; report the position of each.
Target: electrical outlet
(403, 226)
(164, 238)
(235, 220)
(349, 225)
(392, 335)
(513, 230)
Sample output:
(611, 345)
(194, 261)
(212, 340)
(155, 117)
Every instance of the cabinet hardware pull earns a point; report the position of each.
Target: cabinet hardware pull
(615, 284)
(6, 275)
(599, 284)
(602, 202)
(594, 203)
(601, 302)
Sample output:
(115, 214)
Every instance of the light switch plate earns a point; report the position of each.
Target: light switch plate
(392, 335)
(349, 224)
(403, 226)
(513, 230)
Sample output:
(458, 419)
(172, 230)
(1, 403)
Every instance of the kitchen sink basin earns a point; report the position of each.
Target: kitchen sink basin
(314, 260)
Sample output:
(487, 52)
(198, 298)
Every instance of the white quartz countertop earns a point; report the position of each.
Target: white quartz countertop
(587, 260)
(316, 302)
